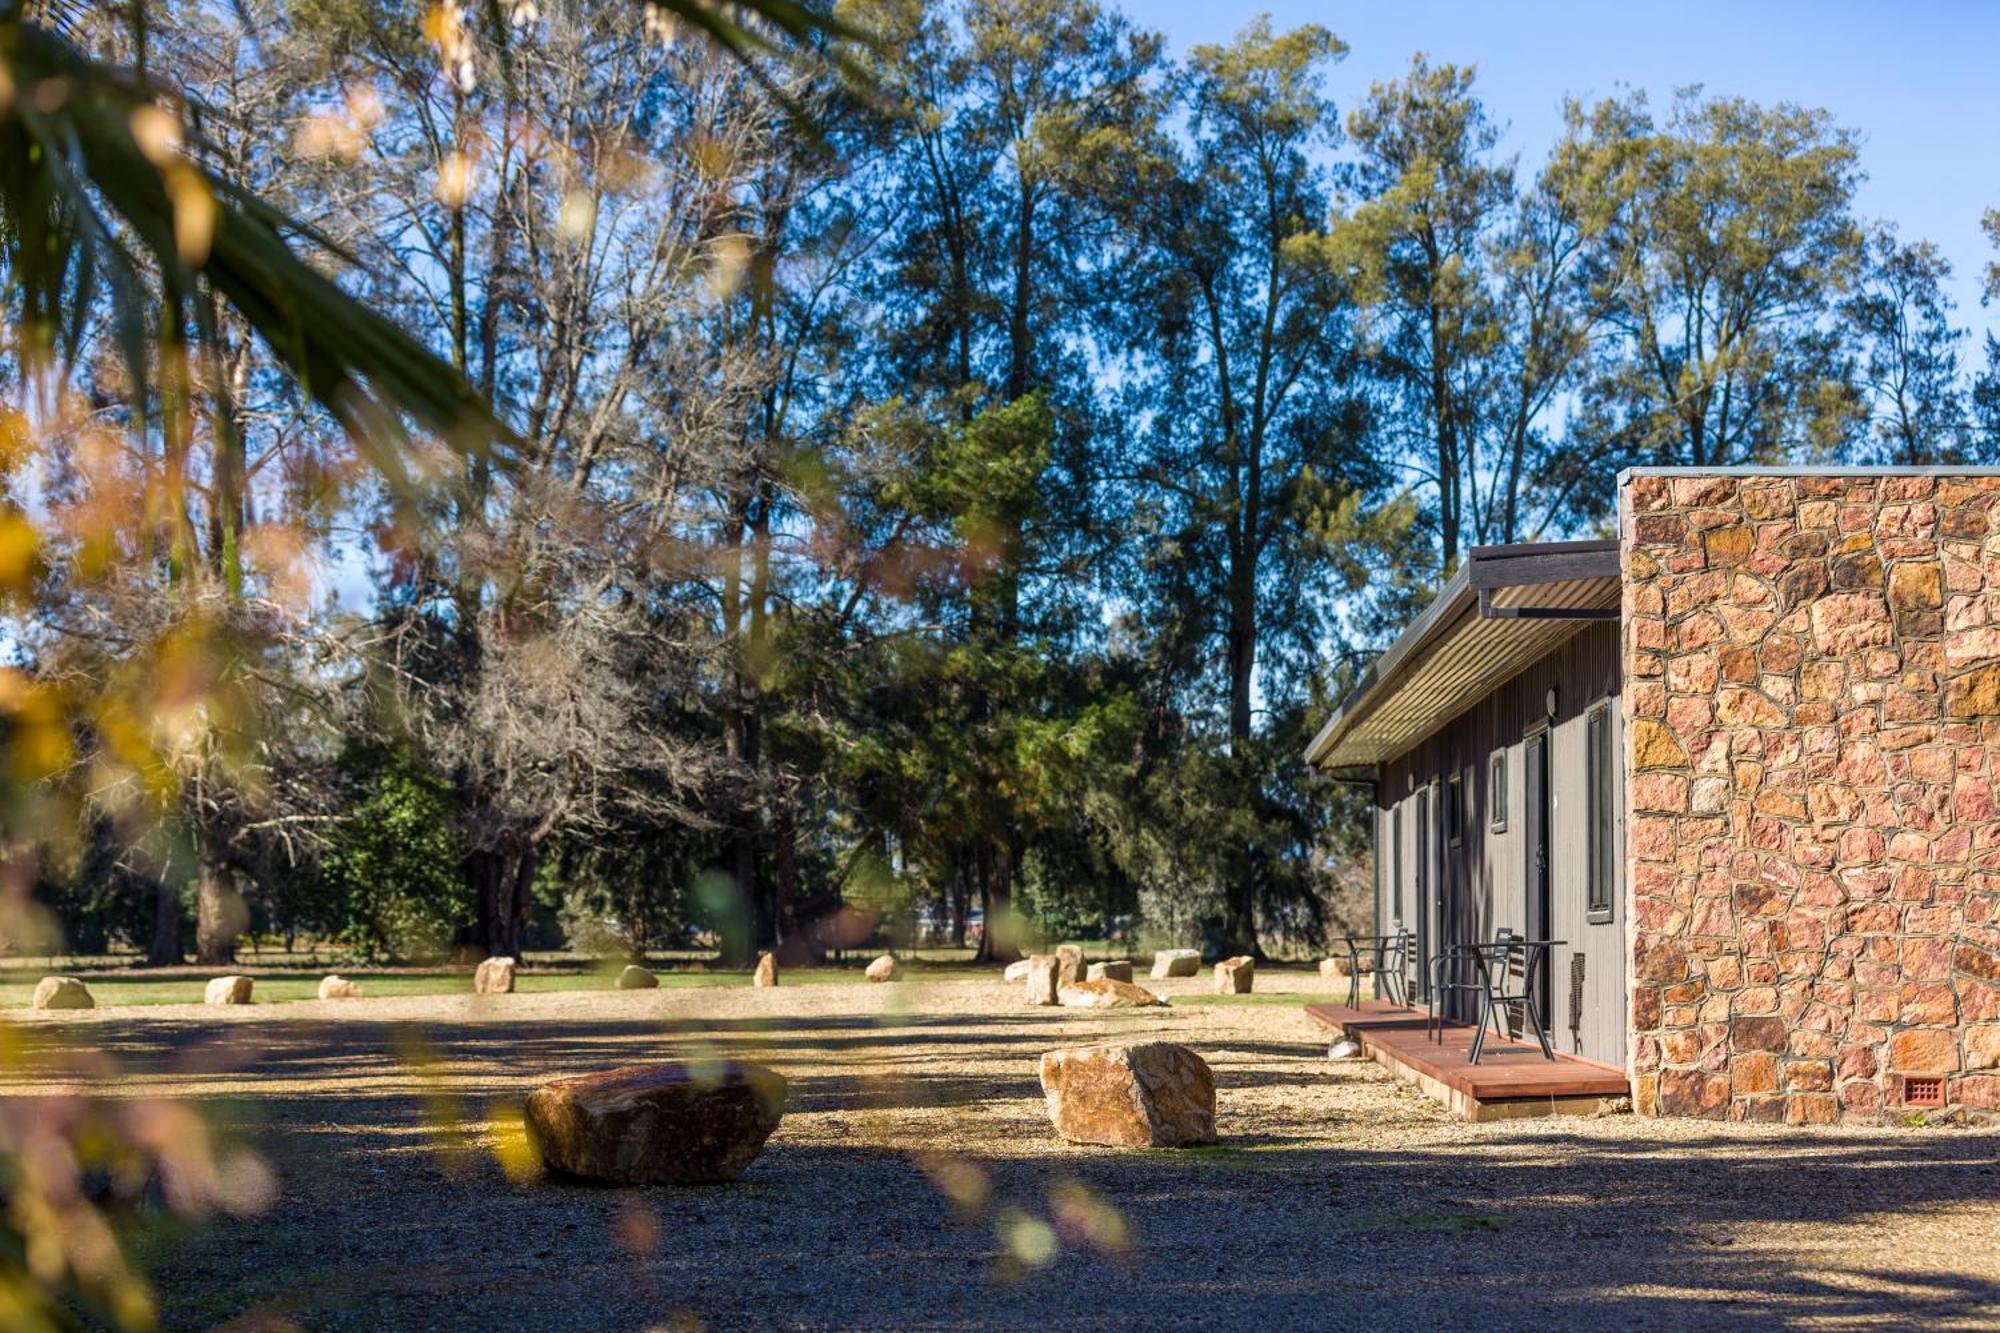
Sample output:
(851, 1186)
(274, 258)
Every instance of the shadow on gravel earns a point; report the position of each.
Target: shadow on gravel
(1619, 1225)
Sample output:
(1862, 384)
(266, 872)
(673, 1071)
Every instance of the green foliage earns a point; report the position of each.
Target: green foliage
(395, 864)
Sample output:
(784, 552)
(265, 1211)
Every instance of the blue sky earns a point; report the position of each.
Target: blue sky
(1917, 78)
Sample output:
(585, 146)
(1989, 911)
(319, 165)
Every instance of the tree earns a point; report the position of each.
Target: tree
(1719, 240)
(1908, 354)
(1244, 427)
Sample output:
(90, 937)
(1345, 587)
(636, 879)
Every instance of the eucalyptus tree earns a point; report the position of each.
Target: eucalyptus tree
(1246, 428)
(1908, 355)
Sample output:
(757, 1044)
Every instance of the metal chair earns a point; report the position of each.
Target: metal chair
(1518, 962)
(1455, 970)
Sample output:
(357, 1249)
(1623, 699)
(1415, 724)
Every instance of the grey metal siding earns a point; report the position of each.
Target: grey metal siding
(1483, 881)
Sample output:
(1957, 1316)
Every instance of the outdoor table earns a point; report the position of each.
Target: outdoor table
(1380, 948)
(1535, 959)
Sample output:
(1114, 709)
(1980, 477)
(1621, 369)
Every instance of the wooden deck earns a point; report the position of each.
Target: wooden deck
(1511, 1080)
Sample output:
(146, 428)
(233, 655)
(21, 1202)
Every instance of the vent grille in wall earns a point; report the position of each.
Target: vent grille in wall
(1923, 1092)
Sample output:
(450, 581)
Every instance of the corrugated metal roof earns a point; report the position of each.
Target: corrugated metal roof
(1505, 607)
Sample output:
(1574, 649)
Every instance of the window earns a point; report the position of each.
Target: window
(1396, 866)
(1496, 791)
(1454, 810)
(1599, 814)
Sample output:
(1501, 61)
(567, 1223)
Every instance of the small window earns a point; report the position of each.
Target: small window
(1496, 791)
(1454, 810)
(1600, 815)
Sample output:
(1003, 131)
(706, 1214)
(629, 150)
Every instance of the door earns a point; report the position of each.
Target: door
(1539, 915)
(1421, 909)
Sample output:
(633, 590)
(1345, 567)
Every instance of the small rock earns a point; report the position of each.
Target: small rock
(1333, 967)
(62, 993)
(1145, 1095)
(1044, 978)
(339, 988)
(1071, 956)
(227, 990)
(1233, 976)
(767, 970)
(1344, 1048)
(1176, 963)
(634, 977)
(882, 969)
(1016, 971)
(1106, 994)
(668, 1124)
(1117, 970)
(495, 976)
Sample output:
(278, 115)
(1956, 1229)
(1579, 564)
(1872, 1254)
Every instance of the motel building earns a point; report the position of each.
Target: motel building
(1733, 773)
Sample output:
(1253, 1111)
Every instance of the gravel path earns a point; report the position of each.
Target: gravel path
(915, 1182)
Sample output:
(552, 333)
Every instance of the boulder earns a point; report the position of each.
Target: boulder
(1119, 970)
(227, 990)
(767, 970)
(495, 976)
(1176, 963)
(1333, 967)
(882, 969)
(1344, 1048)
(667, 1124)
(339, 988)
(1233, 976)
(62, 993)
(1104, 993)
(1044, 978)
(1071, 956)
(634, 977)
(1016, 971)
(1144, 1095)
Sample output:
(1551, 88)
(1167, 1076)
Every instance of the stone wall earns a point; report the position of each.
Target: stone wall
(1813, 706)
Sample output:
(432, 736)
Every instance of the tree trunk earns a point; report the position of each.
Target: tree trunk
(166, 950)
(220, 915)
(994, 866)
(499, 881)
(1239, 922)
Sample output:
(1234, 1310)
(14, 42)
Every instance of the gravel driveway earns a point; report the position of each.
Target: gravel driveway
(915, 1182)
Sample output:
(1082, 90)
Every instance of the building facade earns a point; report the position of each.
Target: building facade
(1741, 762)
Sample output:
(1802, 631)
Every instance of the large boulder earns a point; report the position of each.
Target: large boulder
(767, 970)
(227, 990)
(495, 976)
(1044, 978)
(1016, 970)
(882, 969)
(1145, 1095)
(1104, 993)
(1334, 967)
(669, 1124)
(62, 993)
(339, 988)
(634, 977)
(1176, 963)
(1118, 970)
(1071, 957)
(1234, 976)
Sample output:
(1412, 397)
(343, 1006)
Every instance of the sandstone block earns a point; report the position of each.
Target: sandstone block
(339, 988)
(1654, 746)
(1176, 963)
(1106, 994)
(1016, 971)
(1333, 967)
(1044, 978)
(62, 993)
(882, 969)
(1234, 976)
(634, 977)
(495, 976)
(1117, 969)
(227, 990)
(1147, 1095)
(1982, 1046)
(1070, 956)
(670, 1124)
(766, 974)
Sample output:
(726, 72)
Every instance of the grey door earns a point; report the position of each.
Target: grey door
(1535, 789)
